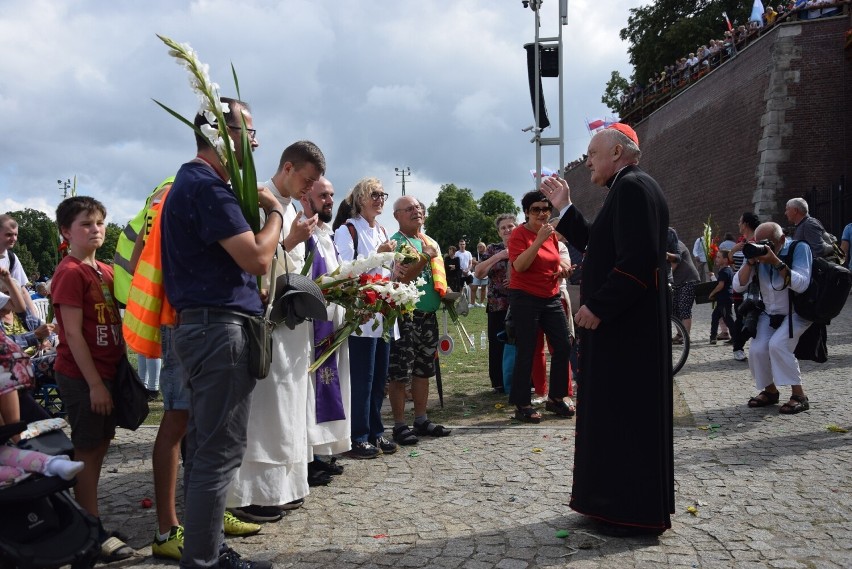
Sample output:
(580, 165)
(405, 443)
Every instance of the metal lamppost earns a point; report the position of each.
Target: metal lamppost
(63, 187)
(403, 172)
(540, 141)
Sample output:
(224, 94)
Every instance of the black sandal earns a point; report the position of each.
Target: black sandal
(404, 435)
(801, 404)
(560, 408)
(527, 415)
(429, 429)
(764, 398)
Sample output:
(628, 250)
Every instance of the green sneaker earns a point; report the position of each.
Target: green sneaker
(171, 547)
(235, 526)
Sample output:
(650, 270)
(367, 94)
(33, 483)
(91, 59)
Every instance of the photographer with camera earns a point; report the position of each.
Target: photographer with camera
(771, 358)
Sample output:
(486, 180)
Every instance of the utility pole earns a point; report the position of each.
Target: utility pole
(403, 172)
(63, 187)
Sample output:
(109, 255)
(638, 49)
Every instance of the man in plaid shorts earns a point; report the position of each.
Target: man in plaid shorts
(412, 356)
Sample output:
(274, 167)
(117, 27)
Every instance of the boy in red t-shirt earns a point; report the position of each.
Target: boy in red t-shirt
(90, 348)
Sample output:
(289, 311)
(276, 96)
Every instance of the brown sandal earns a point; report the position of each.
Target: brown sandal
(764, 398)
(801, 404)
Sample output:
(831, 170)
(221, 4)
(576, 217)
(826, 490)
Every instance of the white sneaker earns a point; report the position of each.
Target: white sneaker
(740, 356)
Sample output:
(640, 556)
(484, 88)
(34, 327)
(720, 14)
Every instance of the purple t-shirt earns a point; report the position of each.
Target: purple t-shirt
(200, 211)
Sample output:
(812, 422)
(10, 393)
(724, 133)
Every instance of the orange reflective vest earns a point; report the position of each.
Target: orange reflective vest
(439, 272)
(147, 306)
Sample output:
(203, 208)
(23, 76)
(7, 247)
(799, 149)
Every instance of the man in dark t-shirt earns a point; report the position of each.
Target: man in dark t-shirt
(210, 259)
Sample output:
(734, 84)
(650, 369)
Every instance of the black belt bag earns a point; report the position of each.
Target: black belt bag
(258, 332)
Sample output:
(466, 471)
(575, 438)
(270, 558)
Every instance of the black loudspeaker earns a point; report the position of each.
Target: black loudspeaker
(549, 66)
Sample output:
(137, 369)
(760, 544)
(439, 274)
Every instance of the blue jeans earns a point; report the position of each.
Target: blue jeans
(214, 361)
(368, 369)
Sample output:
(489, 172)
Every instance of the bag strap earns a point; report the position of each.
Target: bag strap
(788, 260)
(354, 235)
(12, 260)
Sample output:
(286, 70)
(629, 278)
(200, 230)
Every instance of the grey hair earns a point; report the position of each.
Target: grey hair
(798, 203)
(618, 137)
(777, 232)
(503, 217)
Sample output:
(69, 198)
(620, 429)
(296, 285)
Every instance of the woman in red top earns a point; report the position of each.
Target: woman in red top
(535, 303)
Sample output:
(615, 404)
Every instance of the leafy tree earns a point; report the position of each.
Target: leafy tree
(667, 30)
(25, 258)
(615, 88)
(491, 204)
(453, 215)
(39, 235)
(107, 251)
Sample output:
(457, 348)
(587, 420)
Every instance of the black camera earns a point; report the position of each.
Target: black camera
(749, 311)
(752, 250)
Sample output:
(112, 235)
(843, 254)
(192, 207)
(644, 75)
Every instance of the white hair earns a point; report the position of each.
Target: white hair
(798, 203)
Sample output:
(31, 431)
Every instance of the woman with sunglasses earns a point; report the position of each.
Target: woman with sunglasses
(360, 236)
(535, 302)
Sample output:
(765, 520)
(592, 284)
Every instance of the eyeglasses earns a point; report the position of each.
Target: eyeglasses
(535, 210)
(252, 133)
(378, 196)
(410, 209)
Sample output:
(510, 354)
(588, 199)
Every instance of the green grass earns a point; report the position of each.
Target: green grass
(468, 398)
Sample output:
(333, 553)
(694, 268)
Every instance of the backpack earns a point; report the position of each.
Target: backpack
(827, 292)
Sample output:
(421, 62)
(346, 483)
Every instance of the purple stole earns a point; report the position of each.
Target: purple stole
(328, 397)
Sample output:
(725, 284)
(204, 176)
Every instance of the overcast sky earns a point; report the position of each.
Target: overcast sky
(434, 85)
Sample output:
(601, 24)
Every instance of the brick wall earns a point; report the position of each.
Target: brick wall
(769, 125)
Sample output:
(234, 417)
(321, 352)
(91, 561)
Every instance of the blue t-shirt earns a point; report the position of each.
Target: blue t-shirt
(200, 211)
(725, 275)
(847, 236)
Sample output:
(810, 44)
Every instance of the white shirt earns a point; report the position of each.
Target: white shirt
(464, 258)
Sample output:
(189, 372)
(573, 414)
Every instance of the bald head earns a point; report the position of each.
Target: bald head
(319, 200)
(771, 231)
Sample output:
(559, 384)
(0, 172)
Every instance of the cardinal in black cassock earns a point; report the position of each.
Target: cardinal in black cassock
(623, 459)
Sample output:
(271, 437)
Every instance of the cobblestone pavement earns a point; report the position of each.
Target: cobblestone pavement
(770, 490)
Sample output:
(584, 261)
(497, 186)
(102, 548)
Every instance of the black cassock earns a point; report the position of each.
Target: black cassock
(623, 460)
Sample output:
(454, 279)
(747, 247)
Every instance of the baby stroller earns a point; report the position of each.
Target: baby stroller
(42, 526)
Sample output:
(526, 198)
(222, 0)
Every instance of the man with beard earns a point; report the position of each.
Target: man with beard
(329, 398)
(274, 473)
(210, 259)
(623, 459)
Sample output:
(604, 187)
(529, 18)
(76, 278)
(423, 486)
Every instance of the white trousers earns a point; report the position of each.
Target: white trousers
(771, 358)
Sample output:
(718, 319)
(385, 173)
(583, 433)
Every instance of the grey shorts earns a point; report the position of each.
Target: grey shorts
(88, 429)
(175, 393)
(480, 282)
(413, 354)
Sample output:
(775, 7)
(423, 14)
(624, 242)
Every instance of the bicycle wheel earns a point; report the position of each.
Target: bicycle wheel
(680, 344)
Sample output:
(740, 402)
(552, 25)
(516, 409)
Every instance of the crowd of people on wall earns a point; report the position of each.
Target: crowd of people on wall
(252, 449)
(704, 58)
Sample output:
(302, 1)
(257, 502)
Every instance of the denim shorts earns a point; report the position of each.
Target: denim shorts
(480, 282)
(175, 393)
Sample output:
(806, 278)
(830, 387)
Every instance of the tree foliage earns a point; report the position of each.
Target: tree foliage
(615, 88)
(107, 251)
(666, 30)
(37, 233)
(454, 215)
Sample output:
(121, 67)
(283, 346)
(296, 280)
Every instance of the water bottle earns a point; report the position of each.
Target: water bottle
(482, 340)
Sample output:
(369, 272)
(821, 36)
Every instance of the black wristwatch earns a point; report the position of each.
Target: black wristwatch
(780, 266)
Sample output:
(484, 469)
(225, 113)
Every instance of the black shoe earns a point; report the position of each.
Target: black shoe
(153, 395)
(230, 559)
(294, 505)
(319, 478)
(388, 447)
(256, 513)
(618, 530)
(363, 450)
(319, 465)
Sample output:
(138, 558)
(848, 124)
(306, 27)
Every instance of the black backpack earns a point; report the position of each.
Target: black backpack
(826, 294)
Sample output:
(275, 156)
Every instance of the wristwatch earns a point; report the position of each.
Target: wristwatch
(780, 266)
